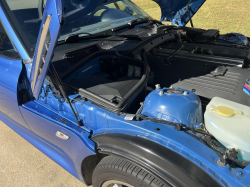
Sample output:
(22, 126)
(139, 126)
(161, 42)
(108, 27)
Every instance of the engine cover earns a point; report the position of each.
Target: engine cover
(175, 105)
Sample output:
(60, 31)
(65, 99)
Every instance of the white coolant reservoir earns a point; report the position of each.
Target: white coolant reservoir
(229, 122)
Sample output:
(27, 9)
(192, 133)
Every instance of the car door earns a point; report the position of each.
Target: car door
(10, 69)
(66, 138)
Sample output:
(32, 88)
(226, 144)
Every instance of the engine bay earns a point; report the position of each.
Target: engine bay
(187, 62)
(107, 77)
(206, 65)
(190, 68)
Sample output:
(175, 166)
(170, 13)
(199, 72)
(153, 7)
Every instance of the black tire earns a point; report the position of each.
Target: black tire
(120, 169)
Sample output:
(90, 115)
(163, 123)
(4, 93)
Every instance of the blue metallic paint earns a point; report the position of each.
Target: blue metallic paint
(13, 36)
(176, 11)
(9, 74)
(50, 9)
(10, 70)
(93, 117)
(46, 123)
(59, 9)
(44, 120)
(28, 68)
(53, 152)
(181, 143)
(169, 107)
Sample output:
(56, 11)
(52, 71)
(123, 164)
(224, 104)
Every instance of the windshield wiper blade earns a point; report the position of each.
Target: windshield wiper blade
(76, 38)
(76, 35)
(135, 22)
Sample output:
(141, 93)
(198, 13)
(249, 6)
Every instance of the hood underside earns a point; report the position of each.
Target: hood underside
(176, 10)
(172, 10)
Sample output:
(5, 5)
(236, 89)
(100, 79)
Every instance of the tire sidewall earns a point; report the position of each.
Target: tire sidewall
(106, 175)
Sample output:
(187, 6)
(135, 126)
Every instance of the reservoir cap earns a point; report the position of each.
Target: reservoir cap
(226, 111)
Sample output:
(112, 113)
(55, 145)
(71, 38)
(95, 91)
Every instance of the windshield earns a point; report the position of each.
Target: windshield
(104, 17)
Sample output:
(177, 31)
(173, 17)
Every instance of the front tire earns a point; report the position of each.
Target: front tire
(115, 171)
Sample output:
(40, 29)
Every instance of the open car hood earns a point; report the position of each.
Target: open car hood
(176, 10)
(172, 10)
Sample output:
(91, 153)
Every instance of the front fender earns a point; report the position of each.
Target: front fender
(165, 163)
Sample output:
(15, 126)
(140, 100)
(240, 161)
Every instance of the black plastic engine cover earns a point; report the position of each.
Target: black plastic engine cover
(195, 75)
(223, 51)
(230, 86)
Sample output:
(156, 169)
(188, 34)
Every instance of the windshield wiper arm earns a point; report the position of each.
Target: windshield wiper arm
(76, 35)
(77, 38)
(135, 22)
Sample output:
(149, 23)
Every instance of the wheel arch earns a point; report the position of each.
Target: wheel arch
(89, 164)
(165, 163)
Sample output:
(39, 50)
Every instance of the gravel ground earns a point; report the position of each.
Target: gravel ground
(22, 165)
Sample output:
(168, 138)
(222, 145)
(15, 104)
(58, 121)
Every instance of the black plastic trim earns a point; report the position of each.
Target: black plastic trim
(101, 101)
(165, 163)
(146, 45)
(152, 42)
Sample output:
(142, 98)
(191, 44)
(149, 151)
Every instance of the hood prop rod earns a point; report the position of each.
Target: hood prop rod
(64, 93)
(190, 18)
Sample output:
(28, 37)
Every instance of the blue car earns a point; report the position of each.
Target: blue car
(119, 99)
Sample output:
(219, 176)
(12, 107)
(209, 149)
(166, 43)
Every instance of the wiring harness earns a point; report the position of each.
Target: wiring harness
(230, 155)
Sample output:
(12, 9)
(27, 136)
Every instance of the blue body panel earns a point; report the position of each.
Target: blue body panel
(183, 144)
(9, 74)
(94, 118)
(46, 123)
(183, 107)
(176, 11)
(53, 152)
(61, 151)
(50, 9)
(38, 121)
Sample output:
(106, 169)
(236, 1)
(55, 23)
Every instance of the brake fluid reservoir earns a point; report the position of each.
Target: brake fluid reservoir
(229, 122)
